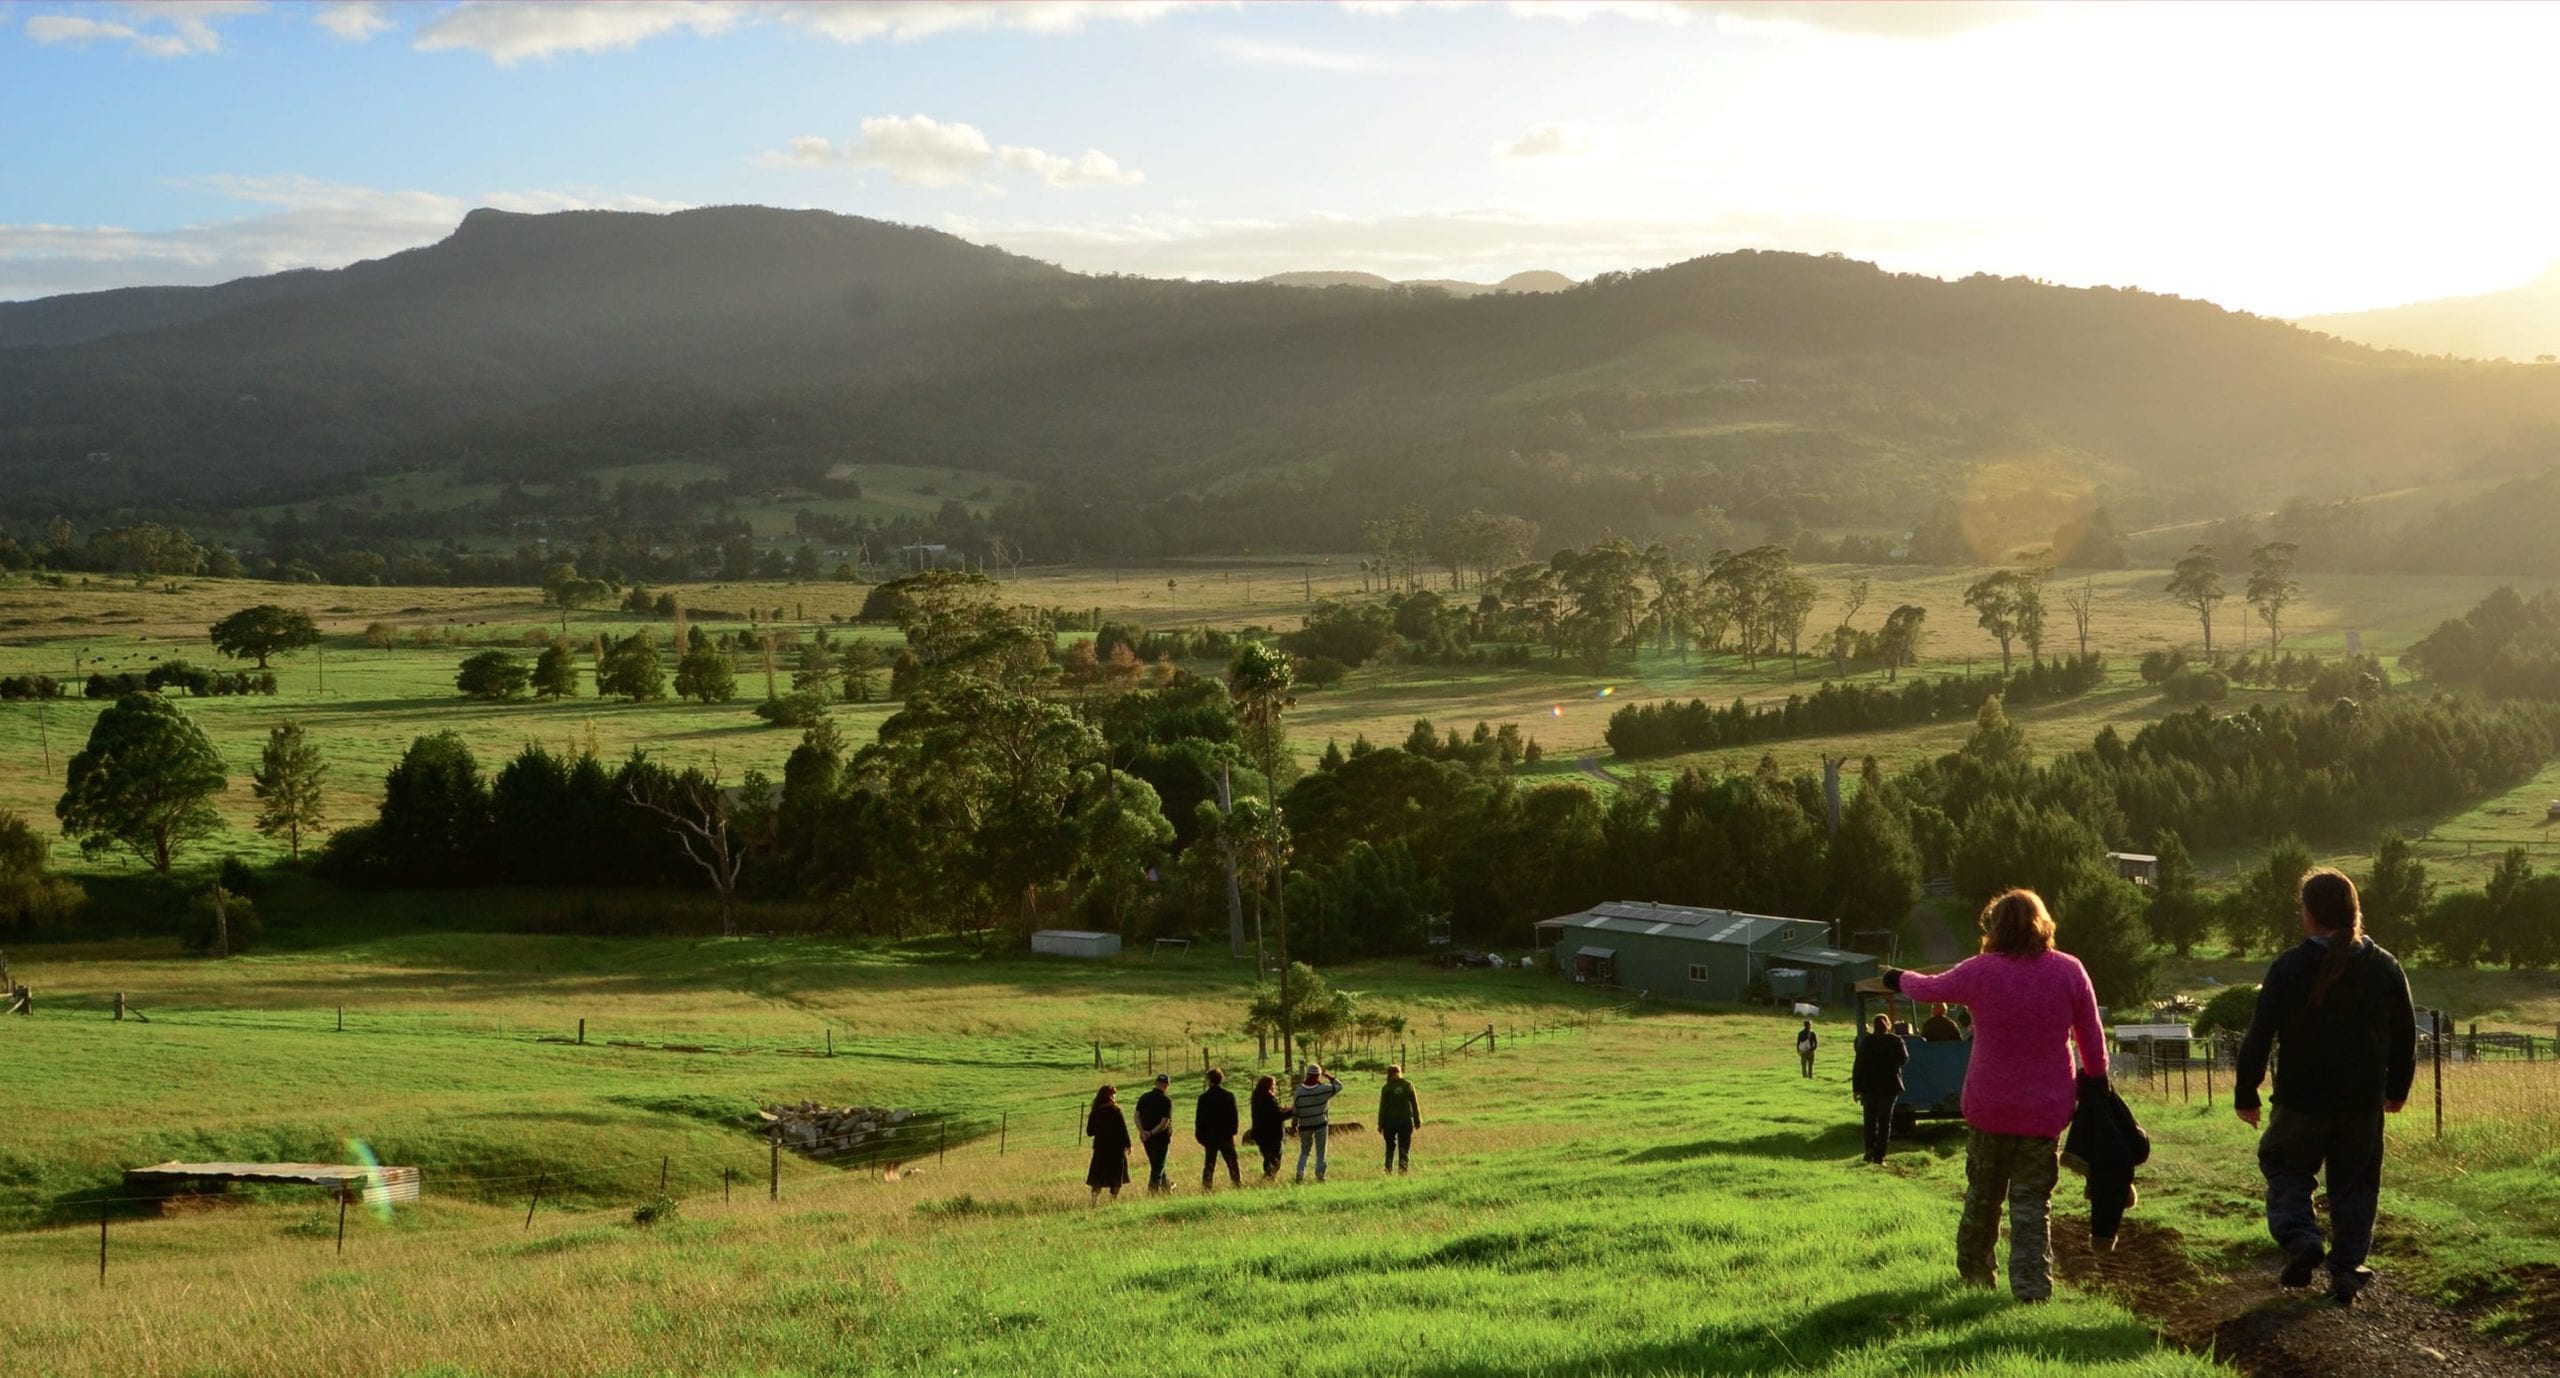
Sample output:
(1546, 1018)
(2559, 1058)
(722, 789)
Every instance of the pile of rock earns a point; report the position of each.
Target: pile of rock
(824, 1132)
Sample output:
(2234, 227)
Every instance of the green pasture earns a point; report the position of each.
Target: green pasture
(1613, 1194)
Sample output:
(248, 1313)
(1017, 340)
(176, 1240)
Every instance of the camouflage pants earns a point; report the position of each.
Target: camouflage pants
(2022, 1170)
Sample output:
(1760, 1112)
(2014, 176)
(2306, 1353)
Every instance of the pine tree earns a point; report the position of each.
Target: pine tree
(555, 674)
(2178, 915)
(287, 784)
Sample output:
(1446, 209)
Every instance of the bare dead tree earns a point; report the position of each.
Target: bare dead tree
(699, 815)
(2079, 601)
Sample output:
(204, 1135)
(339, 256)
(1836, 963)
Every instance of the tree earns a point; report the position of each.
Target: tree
(2196, 584)
(700, 816)
(2395, 896)
(859, 666)
(631, 669)
(264, 631)
(2179, 915)
(1790, 603)
(2102, 925)
(434, 824)
(2000, 601)
(555, 672)
(145, 782)
(1875, 871)
(2271, 586)
(287, 784)
(1259, 683)
(2080, 601)
(494, 676)
(1844, 636)
(817, 672)
(704, 674)
(2265, 913)
(1900, 640)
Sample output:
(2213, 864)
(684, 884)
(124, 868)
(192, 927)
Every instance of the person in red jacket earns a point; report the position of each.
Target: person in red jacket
(2031, 1007)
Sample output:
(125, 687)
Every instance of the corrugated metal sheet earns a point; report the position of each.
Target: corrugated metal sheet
(376, 1183)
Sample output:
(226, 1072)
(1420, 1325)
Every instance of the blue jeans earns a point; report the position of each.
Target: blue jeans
(1311, 1138)
(2291, 1153)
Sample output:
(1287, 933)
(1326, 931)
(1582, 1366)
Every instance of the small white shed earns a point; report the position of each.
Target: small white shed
(1075, 942)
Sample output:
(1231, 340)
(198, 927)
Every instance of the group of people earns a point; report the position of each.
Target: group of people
(2337, 1005)
(1216, 1121)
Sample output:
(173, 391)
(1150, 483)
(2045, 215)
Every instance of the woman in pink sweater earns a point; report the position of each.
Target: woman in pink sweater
(2030, 1006)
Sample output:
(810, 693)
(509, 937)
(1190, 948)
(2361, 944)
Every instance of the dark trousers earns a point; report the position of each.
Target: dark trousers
(1879, 1132)
(1209, 1168)
(2292, 1152)
(1157, 1148)
(1805, 1055)
(1399, 1139)
(1270, 1155)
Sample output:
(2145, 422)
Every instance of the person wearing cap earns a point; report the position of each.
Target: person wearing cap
(1315, 1092)
(1213, 1126)
(1155, 1131)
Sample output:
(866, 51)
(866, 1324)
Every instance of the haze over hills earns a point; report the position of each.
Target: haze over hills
(1158, 416)
(2520, 323)
(1534, 280)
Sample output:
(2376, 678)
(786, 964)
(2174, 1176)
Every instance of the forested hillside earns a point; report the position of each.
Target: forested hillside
(1163, 417)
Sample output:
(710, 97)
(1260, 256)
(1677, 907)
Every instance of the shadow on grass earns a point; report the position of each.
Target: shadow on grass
(1922, 1329)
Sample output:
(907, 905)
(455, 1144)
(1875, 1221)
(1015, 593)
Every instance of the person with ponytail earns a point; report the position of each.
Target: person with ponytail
(2032, 1007)
(2338, 1006)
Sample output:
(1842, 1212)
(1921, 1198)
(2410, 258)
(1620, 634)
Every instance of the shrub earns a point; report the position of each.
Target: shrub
(235, 876)
(239, 918)
(381, 636)
(2196, 686)
(659, 1211)
(2229, 1011)
(800, 708)
(1321, 672)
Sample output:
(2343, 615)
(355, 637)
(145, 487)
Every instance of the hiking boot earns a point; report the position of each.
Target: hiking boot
(2301, 1264)
(2344, 1287)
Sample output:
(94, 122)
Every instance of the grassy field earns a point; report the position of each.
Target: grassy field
(365, 705)
(1627, 1194)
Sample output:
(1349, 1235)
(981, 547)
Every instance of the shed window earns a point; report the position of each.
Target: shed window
(1697, 972)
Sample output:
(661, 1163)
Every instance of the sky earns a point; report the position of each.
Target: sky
(2287, 159)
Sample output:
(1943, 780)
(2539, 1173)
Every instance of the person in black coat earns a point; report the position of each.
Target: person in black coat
(1155, 1131)
(1875, 1077)
(1213, 1124)
(1110, 1133)
(2108, 1144)
(1269, 1119)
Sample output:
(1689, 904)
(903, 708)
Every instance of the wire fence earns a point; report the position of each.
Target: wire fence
(2463, 1076)
(779, 1166)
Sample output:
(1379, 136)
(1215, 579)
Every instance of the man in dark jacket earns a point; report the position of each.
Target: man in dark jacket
(1399, 1114)
(1155, 1132)
(1806, 1042)
(2339, 1006)
(1875, 1076)
(1213, 1123)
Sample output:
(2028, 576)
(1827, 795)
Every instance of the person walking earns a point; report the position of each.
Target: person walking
(1399, 1114)
(1314, 1094)
(2032, 1006)
(1938, 1028)
(2338, 1005)
(1155, 1131)
(1110, 1134)
(1806, 1041)
(1875, 1077)
(1213, 1125)
(1270, 1119)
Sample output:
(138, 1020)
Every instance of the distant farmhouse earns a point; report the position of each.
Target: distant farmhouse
(1676, 952)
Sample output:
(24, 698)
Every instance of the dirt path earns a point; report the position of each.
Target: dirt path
(2243, 1318)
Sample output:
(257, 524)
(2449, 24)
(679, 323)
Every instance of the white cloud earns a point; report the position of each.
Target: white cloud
(1551, 139)
(1887, 18)
(159, 29)
(508, 33)
(302, 222)
(1095, 169)
(1263, 54)
(922, 151)
(355, 21)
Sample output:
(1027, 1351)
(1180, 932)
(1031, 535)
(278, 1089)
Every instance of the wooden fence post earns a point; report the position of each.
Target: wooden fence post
(662, 1174)
(1004, 1124)
(2435, 1047)
(119, 1007)
(724, 1185)
(342, 1019)
(536, 1201)
(1097, 1055)
(342, 1222)
(773, 1189)
(582, 1033)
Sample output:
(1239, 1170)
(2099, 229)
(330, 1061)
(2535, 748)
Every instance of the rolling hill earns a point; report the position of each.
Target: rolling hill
(1165, 416)
(2521, 323)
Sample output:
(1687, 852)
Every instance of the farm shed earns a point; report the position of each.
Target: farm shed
(2139, 867)
(1075, 942)
(373, 1185)
(1677, 952)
